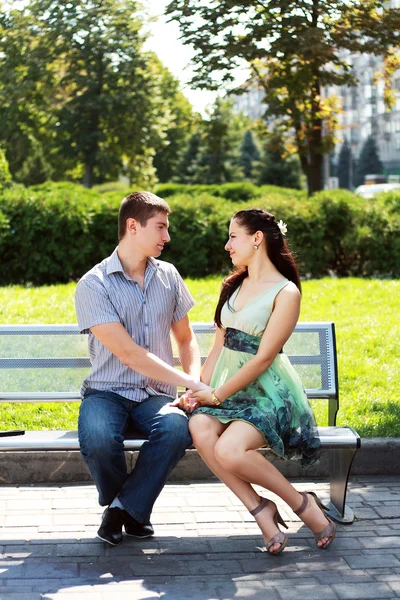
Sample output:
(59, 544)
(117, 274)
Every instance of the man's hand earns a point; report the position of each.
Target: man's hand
(186, 403)
(203, 397)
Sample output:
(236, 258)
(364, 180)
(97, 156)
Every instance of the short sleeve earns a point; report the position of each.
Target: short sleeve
(93, 305)
(184, 301)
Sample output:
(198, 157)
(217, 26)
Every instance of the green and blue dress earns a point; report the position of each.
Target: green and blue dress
(275, 403)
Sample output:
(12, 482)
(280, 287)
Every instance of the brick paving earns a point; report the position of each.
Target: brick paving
(206, 547)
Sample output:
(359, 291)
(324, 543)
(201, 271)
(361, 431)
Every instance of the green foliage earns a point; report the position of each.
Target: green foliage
(378, 236)
(217, 155)
(198, 229)
(187, 165)
(35, 169)
(369, 162)
(291, 52)
(177, 133)
(236, 192)
(81, 99)
(55, 232)
(5, 176)
(277, 168)
(112, 186)
(340, 211)
(249, 155)
(26, 89)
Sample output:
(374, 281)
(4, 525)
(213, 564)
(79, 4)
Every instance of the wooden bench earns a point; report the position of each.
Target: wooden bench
(47, 363)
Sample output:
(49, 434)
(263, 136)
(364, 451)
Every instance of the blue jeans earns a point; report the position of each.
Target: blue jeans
(104, 419)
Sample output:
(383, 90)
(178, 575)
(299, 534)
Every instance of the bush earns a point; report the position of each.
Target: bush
(378, 237)
(199, 232)
(55, 232)
(236, 192)
(112, 186)
(5, 176)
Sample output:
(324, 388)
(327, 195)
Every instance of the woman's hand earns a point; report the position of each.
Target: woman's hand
(186, 403)
(203, 397)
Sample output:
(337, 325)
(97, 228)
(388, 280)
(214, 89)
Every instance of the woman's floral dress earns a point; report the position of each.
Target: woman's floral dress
(275, 403)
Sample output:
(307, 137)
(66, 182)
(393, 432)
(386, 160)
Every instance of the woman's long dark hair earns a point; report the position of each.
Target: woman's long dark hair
(255, 219)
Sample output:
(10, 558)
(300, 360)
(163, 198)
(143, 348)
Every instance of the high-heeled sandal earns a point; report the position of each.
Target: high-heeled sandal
(329, 531)
(280, 538)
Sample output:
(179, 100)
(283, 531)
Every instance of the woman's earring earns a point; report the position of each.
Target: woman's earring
(255, 247)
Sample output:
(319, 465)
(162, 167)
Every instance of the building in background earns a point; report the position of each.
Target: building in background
(363, 114)
(250, 103)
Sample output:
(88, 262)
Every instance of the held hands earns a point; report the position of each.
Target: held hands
(203, 397)
(186, 403)
(191, 400)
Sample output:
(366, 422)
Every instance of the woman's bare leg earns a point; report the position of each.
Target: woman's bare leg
(206, 431)
(236, 452)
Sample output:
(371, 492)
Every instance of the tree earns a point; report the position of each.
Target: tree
(187, 165)
(345, 166)
(35, 168)
(294, 50)
(181, 123)
(279, 168)
(369, 162)
(26, 90)
(249, 154)
(100, 46)
(218, 153)
(80, 97)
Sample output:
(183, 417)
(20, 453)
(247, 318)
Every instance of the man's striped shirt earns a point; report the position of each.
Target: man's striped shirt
(107, 295)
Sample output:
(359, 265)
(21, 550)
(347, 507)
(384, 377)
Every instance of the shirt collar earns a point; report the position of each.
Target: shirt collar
(114, 264)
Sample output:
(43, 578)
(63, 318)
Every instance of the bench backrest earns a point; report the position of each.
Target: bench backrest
(40, 363)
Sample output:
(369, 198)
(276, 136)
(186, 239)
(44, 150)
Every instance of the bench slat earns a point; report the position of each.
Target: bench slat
(331, 437)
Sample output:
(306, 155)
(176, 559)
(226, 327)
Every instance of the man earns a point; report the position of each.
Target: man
(128, 304)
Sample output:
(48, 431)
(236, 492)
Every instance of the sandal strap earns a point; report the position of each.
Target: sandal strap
(328, 532)
(279, 538)
(259, 508)
(304, 504)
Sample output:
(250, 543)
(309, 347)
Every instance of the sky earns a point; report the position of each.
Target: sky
(176, 56)
(164, 41)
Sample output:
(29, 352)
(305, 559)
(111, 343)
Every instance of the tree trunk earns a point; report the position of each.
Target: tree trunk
(315, 135)
(88, 176)
(301, 147)
(316, 183)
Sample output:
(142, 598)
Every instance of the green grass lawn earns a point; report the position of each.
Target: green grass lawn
(365, 313)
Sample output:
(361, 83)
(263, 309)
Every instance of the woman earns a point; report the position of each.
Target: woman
(255, 397)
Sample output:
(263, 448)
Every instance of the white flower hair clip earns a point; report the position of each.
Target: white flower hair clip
(282, 226)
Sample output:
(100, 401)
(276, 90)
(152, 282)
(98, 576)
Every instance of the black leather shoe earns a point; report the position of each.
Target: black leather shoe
(136, 529)
(111, 526)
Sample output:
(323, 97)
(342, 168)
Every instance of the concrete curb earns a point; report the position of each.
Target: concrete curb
(377, 456)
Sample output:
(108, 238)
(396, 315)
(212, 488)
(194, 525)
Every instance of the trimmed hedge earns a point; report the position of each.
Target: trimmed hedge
(236, 192)
(55, 232)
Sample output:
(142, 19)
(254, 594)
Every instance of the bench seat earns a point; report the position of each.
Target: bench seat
(331, 438)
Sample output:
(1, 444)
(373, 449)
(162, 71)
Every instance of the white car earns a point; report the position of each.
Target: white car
(368, 191)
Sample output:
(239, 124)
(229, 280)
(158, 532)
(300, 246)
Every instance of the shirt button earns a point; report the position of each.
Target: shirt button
(146, 324)
(144, 301)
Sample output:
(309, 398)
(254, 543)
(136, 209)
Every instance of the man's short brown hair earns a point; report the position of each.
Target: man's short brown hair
(141, 206)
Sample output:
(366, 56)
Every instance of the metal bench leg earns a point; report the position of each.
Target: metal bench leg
(340, 461)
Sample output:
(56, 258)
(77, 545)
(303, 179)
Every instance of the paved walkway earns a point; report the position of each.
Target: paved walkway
(206, 547)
